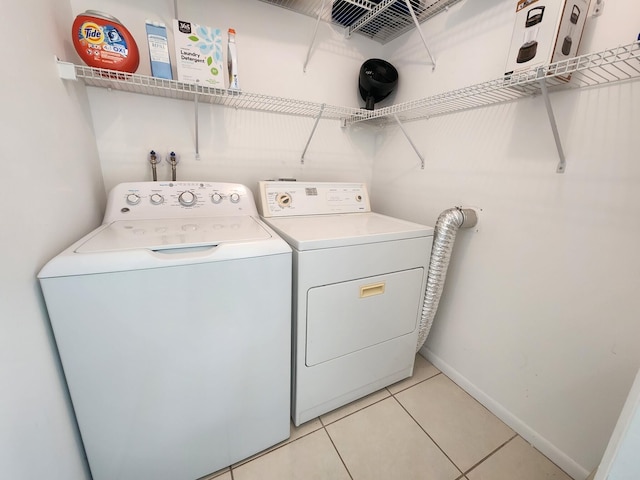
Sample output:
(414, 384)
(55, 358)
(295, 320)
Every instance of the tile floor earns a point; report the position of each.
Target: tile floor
(424, 427)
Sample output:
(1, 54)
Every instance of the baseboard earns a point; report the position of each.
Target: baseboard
(548, 449)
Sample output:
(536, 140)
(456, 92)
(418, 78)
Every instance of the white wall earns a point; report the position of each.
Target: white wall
(539, 315)
(238, 145)
(52, 195)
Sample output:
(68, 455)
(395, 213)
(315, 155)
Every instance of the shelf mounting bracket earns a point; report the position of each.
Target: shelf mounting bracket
(66, 70)
(424, 41)
(409, 140)
(552, 120)
(313, 39)
(313, 130)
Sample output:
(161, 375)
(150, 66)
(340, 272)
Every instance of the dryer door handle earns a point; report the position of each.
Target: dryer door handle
(371, 290)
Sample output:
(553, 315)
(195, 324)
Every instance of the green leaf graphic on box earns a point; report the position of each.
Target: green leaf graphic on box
(214, 71)
(209, 61)
(193, 38)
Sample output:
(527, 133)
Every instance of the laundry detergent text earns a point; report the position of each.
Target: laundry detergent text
(191, 56)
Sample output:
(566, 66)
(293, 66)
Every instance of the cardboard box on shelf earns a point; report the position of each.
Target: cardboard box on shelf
(545, 31)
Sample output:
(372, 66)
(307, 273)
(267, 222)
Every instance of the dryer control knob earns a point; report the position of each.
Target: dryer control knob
(234, 197)
(133, 199)
(216, 198)
(188, 199)
(157, 199)
(283, 199)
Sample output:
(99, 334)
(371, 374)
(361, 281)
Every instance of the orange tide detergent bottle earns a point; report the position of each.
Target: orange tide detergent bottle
(103, 42)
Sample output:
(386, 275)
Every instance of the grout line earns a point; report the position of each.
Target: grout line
(273, 448)
(431, 438)
(356, 411)
(490, 454)
(417, 383)
(338, 452)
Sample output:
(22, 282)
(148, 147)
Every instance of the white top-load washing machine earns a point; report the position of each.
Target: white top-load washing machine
(358, 285)
(173, 324)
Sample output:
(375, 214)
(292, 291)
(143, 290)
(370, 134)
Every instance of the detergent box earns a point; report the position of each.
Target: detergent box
(199, 57)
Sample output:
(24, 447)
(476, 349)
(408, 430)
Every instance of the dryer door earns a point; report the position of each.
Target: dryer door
(349, 316)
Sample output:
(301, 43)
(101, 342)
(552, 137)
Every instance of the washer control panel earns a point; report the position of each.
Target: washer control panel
(153, 200)
(284, 199)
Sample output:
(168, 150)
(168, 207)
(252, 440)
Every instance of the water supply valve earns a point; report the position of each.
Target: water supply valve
(173, 160)
(153, 160)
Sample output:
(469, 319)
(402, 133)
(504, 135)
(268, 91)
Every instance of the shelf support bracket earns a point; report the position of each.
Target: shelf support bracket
(313, 130)
(313, 39)
(66, 70)
(409, 140)
(552, 120)
(424, 41)
(195, 105)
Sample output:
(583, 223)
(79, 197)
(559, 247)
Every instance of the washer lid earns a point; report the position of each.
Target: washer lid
(171, 233)
(327, 231)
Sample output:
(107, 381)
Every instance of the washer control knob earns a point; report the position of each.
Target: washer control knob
(216, 198)
(133, 199)
(234, 197)
(157, 199)
(187, 198)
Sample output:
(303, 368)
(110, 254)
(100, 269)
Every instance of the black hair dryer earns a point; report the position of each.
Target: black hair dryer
(377, 80)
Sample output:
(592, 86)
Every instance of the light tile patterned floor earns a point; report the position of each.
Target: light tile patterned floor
(425, 427)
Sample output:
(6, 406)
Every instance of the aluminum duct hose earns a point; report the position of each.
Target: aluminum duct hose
(444, 237)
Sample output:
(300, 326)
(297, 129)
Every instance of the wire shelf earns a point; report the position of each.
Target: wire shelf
(142, 84)
(613, 65)
(379, 20)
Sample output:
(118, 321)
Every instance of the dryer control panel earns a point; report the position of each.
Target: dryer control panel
(154, 200)
(284, 199)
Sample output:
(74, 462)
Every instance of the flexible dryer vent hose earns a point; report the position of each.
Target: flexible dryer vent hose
(444, 237)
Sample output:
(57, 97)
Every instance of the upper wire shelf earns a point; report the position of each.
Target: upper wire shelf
(159, 87)
(379, 20)
(612, 65)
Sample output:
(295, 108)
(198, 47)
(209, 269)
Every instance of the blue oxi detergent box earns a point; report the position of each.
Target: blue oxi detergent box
(199, 57)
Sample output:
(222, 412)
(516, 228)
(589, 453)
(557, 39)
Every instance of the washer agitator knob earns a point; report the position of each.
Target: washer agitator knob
(133, 199)
(216, 198)
(187, 198)
(157, 199)
(234, 197)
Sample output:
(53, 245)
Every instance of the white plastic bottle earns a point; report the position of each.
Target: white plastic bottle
(232, 61)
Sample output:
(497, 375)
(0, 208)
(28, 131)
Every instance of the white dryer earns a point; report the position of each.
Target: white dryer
(172, 321)
(358, 285)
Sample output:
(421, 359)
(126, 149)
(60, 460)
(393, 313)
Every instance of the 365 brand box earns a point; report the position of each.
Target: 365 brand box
(545, 31)
(199, 57)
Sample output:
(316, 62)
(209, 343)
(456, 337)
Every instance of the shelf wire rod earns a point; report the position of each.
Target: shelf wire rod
(313, 39)
(622, 74)
(554, 127)
(415, 20)
(409, 140)
(313, 130)
(371, 16)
